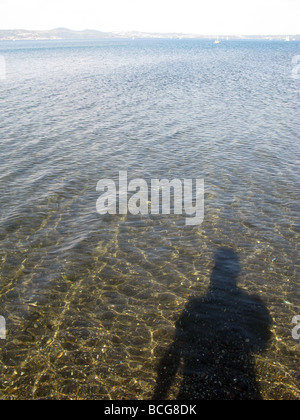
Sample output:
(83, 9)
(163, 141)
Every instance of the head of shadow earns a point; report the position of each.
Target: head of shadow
(216, 339)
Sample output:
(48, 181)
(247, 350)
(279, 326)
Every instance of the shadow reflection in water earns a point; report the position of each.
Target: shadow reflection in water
(216, 339)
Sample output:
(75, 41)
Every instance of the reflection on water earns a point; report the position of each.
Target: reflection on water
(91, 302)
(216, 337)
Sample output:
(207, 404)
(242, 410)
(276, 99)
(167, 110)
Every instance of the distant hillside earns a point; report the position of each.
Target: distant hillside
(59, 33)
(64, 33)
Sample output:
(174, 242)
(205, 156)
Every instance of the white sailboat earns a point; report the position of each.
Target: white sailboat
(217, 41)
(287, 39)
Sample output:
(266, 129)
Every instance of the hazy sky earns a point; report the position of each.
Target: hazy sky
(191, 16)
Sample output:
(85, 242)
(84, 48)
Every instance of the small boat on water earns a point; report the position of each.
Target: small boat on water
(217, 41)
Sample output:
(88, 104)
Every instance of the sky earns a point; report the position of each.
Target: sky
(207, 17)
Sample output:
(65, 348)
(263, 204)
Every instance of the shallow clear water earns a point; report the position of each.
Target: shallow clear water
(91, 303)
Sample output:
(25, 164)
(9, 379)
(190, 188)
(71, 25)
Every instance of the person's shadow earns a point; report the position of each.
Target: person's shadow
(216, 339)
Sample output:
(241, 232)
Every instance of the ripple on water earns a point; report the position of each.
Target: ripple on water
(92, 303)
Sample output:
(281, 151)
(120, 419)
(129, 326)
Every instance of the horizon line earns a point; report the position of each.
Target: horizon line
(151, 32)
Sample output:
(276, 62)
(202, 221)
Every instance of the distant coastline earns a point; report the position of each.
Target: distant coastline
(68, 34)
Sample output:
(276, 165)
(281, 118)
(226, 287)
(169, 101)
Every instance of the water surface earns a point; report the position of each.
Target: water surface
(91, 302)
